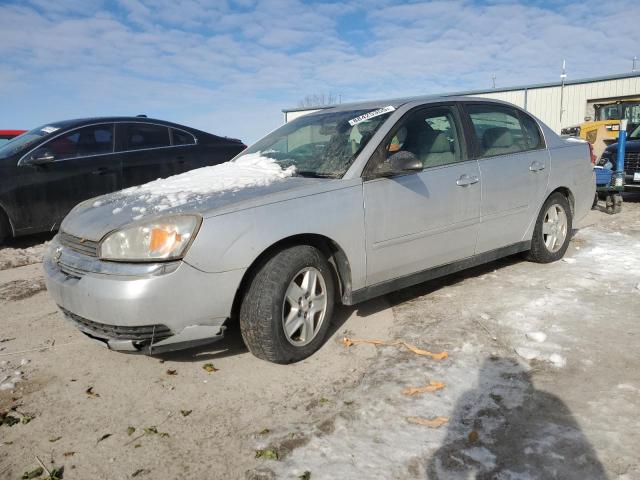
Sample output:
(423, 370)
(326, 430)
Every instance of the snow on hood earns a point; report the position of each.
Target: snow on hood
(250, 170)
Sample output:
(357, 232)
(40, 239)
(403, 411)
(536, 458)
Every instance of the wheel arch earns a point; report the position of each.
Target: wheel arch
(334, 253)
(568, 194)
(4, 218)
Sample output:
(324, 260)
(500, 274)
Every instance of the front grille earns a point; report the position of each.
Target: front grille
(86, 247)
(142, 334)
(632, 162)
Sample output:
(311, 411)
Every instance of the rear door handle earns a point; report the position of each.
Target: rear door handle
(465, 180)
(101, 171)
(536, 166)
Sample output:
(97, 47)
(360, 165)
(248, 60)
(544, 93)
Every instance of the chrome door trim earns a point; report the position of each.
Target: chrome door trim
(21, 163)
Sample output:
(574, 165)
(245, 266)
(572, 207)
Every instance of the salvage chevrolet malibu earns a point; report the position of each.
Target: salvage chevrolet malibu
(338, 206)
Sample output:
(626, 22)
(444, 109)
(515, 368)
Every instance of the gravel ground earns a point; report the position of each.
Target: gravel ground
(541, 381)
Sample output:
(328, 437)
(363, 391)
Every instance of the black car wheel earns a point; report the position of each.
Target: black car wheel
(552, 232)
(287, 308)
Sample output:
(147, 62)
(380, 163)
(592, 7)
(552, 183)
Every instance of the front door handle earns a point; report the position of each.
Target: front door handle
(466, 180)
(536, 166)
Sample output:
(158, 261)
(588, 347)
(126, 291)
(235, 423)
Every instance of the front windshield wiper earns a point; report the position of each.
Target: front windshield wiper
(307, 173)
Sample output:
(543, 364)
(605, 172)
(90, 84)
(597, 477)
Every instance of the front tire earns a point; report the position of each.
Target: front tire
(552, 232)
(287, 308)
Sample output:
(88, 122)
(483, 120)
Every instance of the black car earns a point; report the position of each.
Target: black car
(631, 159)
(45, 172)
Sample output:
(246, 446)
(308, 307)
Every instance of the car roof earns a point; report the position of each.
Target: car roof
(81, 121)
(76, 122)
(398, 102)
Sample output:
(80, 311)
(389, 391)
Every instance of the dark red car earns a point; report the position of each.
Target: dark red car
(6, 135)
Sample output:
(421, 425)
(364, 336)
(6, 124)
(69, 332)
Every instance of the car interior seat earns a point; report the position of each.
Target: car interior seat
(498, 141)
(439, 152)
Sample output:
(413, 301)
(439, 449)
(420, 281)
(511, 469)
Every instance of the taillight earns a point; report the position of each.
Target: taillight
(594, 159)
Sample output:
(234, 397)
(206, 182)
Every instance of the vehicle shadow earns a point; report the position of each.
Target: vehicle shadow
(232, 343)
(632, 197)
(28, 240)
(506, 428)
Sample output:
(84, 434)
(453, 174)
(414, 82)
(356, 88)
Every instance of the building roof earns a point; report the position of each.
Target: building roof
(532, 86)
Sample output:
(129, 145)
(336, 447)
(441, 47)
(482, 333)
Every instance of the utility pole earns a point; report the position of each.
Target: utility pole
(635, 59)
(563, 77)
(493, 80)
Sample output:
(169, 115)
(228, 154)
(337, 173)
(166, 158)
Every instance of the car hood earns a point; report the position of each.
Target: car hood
(94, 218)
(630, 146)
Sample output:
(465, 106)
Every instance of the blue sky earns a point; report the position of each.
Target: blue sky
(229, 67)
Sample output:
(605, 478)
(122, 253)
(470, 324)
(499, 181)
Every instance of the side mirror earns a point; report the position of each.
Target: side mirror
(41, 157)
(402, 162)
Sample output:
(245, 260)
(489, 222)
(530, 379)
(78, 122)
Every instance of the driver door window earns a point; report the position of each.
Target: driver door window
(430, 135)
(84, 142)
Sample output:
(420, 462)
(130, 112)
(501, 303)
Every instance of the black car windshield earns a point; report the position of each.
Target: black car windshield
(322, 144)
(22, 142)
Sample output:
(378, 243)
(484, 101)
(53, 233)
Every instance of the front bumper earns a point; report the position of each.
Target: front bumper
(630, 183)
(140, 307)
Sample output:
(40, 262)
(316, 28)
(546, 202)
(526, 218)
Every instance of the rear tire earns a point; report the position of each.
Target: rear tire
(287, 308)
(552, 232)
(5, 228)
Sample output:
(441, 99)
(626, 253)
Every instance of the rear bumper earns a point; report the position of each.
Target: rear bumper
(139, 308)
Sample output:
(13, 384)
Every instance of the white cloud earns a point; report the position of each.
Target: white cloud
(230, 67)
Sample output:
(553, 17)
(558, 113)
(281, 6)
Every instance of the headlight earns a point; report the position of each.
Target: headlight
(165, 238)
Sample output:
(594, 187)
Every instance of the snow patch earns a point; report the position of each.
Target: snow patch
(537, 336)
(250, 170)
(482, 455)
(557, 360)
(527, 353)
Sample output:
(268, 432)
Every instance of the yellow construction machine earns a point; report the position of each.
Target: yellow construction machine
(602, 130)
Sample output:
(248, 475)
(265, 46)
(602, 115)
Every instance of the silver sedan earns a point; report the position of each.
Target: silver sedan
(337, 206)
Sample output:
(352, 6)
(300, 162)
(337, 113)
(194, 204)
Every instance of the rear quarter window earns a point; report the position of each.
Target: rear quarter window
(180, 137)
(140, 136)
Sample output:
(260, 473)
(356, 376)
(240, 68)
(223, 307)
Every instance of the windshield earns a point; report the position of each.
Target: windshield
(635, 134)
(25, 140)
(321, 145)
(629, 110)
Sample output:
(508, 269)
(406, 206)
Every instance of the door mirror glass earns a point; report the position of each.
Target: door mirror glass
(400, 163)
(41, 156)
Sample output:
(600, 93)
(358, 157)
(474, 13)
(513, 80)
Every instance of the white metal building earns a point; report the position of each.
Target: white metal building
(544, 100)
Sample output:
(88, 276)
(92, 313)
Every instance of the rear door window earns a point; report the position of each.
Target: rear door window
(83, 142)
(141, 136)
(180, 137)
(500, 131)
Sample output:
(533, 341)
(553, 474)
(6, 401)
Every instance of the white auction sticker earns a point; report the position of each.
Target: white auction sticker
(367, 116)
(49, 129)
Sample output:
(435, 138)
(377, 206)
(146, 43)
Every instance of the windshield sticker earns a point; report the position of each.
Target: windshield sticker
(367, 116)
(49, 129)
